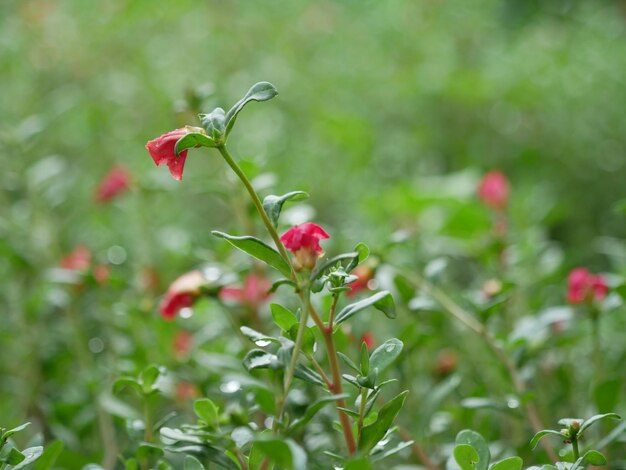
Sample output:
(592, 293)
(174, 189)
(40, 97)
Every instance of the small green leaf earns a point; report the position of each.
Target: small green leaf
(285, 453)
(148, 378)
(150, 451)
(466, 456)
(259, 359)
(273, 205)
(308, 375)
(257, 249)
(10, 432)
(478, 442)
(594, 458)
(512, 463)
(214, 123)
(348, 362)
(256, 337)
(308, 338)
(365, 359)
(382, 301)
(312, 410)
(207, 411)
(192, 463)
(330, 263)
(594, 419)
(261, 91)
(537, 437)
(176, 435)
(14, 457)
(122, 382)
(372, 433)
(358, 464)
(30, 455)
(282, 282)
(363, 253)
(193, 140)
(50, 455)
(385, 354)
(283, 317)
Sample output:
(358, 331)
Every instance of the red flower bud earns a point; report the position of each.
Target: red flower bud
(583, 286)
(182, 293)
(493, 190)
(113, 184)
(304, 242)
(162, 152)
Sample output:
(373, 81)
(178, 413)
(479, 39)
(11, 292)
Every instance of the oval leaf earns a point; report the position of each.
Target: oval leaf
(466, 456)
(207, 411)
(382, 301)
(594, 458)
(512, 463)
(283, 317)
(384, 355)
(257, 249)
(478, 442)
(261, 91)
(273, 205)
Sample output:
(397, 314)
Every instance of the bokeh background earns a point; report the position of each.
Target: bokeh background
(388, 114)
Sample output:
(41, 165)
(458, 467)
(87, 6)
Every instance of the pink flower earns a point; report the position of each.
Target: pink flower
(583, 286)
(365, 275)
(252, 294)
(114, 183)
(182, 293)
(78, 260)
(493, 190)
(162, 152)
(304, 241)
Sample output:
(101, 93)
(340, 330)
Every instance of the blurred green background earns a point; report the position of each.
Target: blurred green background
(388, 114)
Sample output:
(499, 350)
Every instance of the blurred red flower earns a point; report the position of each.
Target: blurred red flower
(583, 286)
(182, 344)
(304, 241)
(365, 274)
(253, 293)
(493, 190)
(162, 152)
(78, 260)
(182, 293)
(116, 182)
(368, 339)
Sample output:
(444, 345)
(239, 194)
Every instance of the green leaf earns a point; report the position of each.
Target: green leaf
(594, 458)
(358, 464)
(282, 282)
(10, 432)
(214, 123)
(382, 301)
(478, 442)
(122, 382)
(192, 463)
(257, 249)
(385, 354)
(259, 359)
(283, 317)
(372, 433)
(466, 456)
(131, 464)
(512, 463)
(365, 359)
(363, 253)
(312, 410)
(50, 455)
(257, 337)
(389, 452)
(308, 338)
(285, 453)
(150, 451)
(348, 362)
(537, 437)
(176, 435)
(308, 375)
(261, 91)
(31, 454)
(594, 419)
(14, 457)
(273, 205)
(193, 140)
(207, 411)
(329, 263)
(148, 378)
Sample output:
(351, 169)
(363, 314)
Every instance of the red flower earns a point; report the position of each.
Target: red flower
(583, 286)
(182, 293)
(253, 293)
(78, 260)
(304, 241)
(186, 391)
(101, 273)
(114, 183)
(182, 344)
(365, 275)
(368, 339)
(493, 190)
(162, 152)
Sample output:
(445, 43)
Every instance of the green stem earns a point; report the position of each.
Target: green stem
(304, 316)
(259, 206)
(361, 411)
(575, 449)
